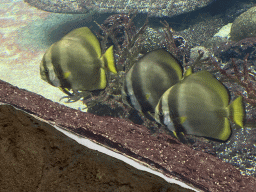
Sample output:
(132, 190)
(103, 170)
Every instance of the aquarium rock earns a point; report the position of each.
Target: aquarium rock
(194, 53)
(49, 157)
(244, 25)
(224, 32)
(157, 8)
(162, 152)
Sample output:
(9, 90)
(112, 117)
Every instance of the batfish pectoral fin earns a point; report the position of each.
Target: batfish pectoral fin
(182, 119)
(66, 74)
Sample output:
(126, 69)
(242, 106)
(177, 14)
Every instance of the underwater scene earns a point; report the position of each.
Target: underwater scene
(182, 68)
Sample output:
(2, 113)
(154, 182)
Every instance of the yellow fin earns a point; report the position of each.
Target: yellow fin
(182, 120)
(225, 134)
(188, 72)
(150, 115)
(175, 134)
(109, 60)
(180, 136)
(237, 111)
(175, 65)
(103, 79)
(147, 96)
(67, 74)
(65, 90)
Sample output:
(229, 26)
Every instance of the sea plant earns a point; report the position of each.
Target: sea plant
(118, 30)
(245, 78)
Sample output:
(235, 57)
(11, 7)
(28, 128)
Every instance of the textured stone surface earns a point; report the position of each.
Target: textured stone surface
(244, 25)
(152, 7)
(160, 152)
(36, 157)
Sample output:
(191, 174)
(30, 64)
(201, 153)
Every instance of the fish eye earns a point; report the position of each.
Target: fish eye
(160, 114)
(44, 69)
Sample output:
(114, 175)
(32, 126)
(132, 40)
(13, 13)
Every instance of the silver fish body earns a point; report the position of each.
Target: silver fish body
(75, 62)
(200, 104)
(149, 78)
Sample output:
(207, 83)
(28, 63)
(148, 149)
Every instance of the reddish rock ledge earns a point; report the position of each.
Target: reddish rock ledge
(35, 156)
